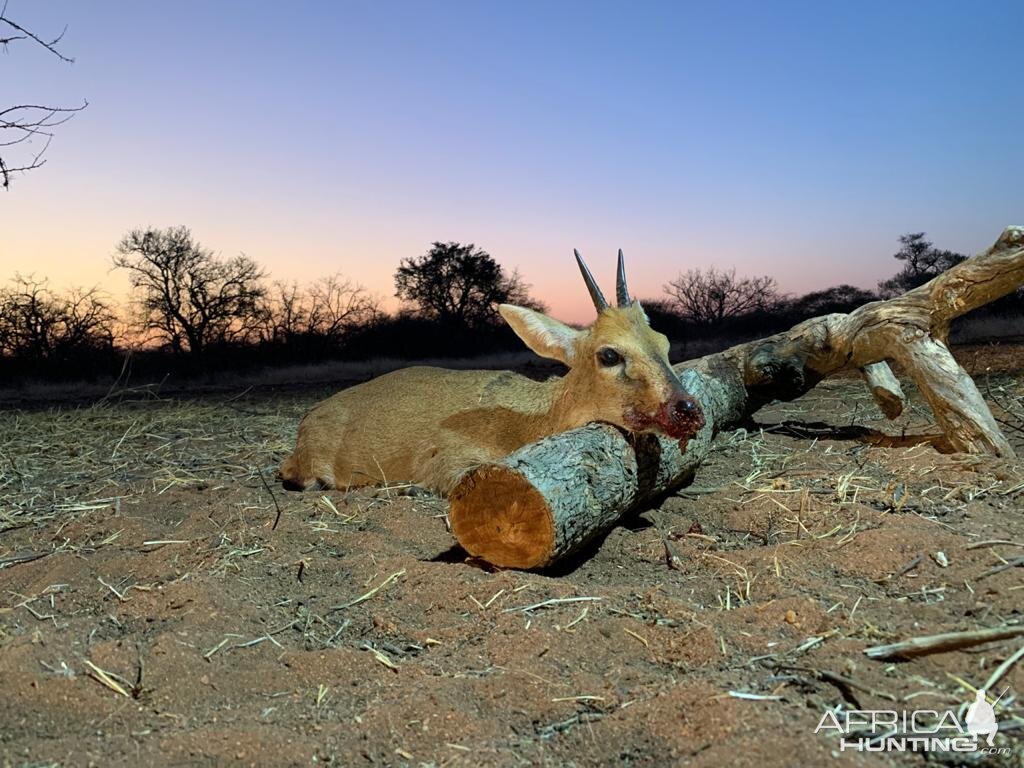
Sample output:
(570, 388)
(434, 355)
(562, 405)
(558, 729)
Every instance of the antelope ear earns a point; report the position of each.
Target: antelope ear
(544, 335)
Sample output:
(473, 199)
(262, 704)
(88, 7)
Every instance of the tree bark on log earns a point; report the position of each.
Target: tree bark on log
(549, 499)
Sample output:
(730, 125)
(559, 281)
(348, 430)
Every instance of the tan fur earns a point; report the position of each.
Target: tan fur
(427, 426)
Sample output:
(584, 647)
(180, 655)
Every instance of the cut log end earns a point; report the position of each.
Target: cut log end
(498, 516)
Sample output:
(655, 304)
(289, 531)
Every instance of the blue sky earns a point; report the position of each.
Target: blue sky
(795, 139)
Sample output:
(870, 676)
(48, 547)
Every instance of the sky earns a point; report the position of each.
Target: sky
(792, 139)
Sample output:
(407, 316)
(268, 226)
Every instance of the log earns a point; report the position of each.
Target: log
(550, 498)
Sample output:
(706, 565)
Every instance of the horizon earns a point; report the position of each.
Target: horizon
(796, 141)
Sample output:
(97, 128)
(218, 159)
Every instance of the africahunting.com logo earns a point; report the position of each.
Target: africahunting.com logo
(922, 730)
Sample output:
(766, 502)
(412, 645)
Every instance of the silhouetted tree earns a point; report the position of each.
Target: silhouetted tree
(839, 298)
(284, 316)
(922, 261)
(40, 325)
(23, 125)
(187, 296)
(707, 297)
(337, 306)
(459, 285)
(319, 315)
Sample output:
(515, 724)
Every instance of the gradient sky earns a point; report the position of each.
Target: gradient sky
(796, 139)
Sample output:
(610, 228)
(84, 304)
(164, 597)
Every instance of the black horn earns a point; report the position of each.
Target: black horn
(595, 293)
(621, 291)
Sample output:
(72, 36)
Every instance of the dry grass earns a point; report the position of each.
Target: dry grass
(333, 372)
(60, 462)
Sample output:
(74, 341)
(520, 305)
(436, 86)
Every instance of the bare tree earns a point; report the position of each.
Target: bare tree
(337, 306)
(326, 310)
(517, 291)
(707, 297)
(88, 319)
(39, 324)
(186, 295)
(28, 126)
(284, 315)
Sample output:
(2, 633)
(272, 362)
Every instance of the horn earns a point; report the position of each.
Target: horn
(595, 293)
(621, 291)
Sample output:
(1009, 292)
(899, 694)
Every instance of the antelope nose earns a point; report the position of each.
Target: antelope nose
(684, 406)
(685, 414)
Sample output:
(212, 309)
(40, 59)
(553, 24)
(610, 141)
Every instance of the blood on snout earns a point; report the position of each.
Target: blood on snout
(684, 419)
(681, 418)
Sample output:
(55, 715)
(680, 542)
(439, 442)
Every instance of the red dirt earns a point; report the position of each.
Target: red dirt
(800, 531)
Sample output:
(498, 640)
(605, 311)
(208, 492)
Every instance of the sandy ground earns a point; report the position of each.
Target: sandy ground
(151, 613)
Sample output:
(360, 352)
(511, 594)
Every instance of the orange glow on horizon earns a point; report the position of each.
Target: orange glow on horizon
(773, 140)
(79, 255)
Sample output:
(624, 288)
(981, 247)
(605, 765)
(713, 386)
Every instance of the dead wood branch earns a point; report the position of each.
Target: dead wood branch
(950, 641)
(549, 498)
(27, 123)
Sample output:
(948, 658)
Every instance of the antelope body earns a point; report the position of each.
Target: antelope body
(427, 426)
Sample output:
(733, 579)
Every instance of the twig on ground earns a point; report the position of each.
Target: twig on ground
(950, 641)
(21, 557)
(1003, 668)
(1011, 563)
(906, 568)
(371, 593)
(273, 498)
(104, 677)
(552, 601)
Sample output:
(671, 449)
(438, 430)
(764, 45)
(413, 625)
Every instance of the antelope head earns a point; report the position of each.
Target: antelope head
(619, 370)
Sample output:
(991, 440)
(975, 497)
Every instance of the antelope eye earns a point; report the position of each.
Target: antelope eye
(608, 357)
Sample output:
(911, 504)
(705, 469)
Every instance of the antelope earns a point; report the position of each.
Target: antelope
(427, 426)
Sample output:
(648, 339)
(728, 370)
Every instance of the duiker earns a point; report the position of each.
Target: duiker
(427, 426)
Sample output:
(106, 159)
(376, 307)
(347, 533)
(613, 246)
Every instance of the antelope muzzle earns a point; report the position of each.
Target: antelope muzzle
(679, 417)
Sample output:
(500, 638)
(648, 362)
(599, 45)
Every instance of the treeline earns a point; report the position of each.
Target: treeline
(192, 311)
(736, 308)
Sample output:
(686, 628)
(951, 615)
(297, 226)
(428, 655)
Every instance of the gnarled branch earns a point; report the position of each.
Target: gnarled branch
(24, 123)
(549, 498)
